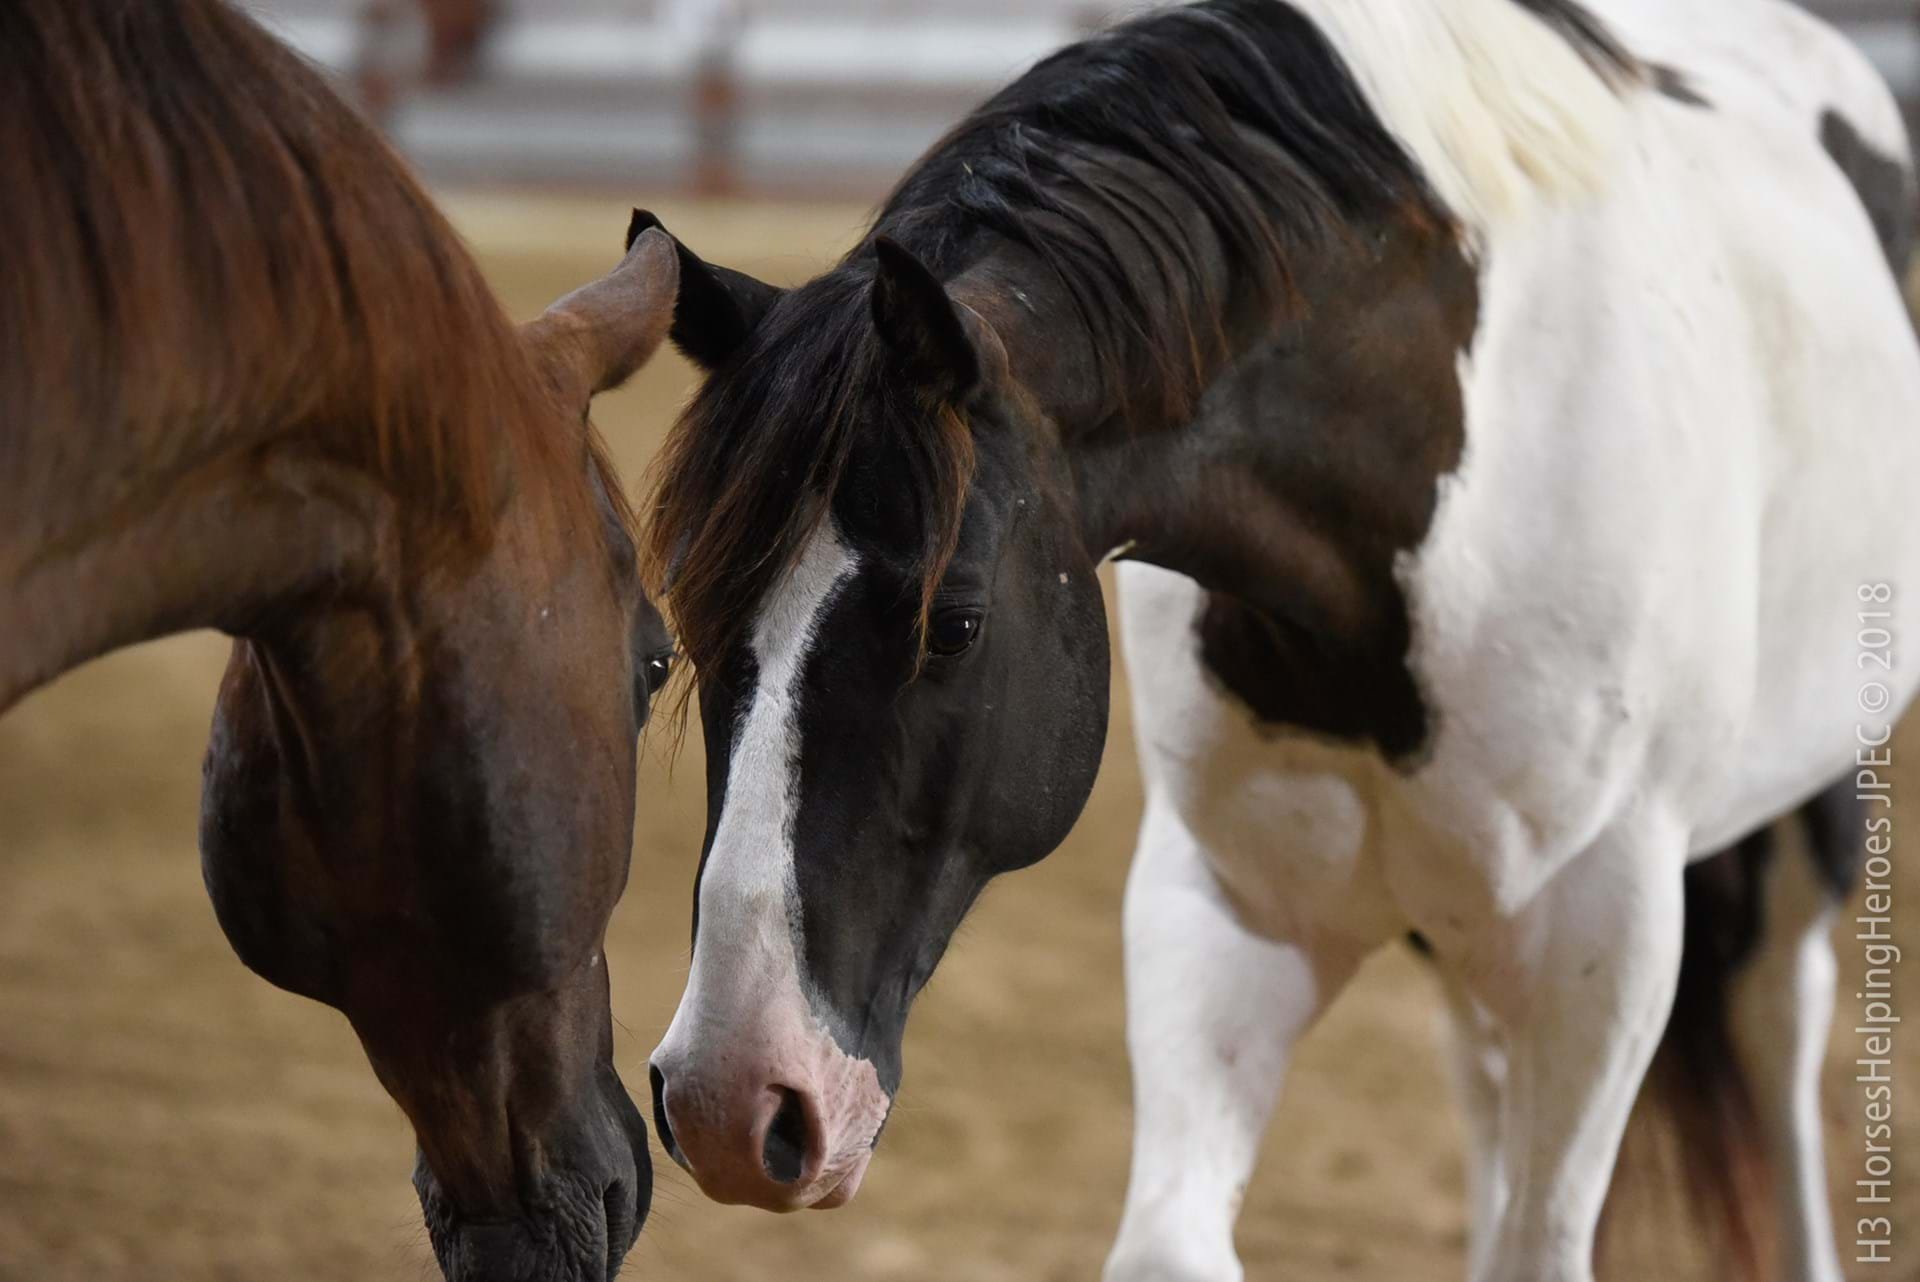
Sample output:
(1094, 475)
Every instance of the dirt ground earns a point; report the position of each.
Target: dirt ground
(164, 1115)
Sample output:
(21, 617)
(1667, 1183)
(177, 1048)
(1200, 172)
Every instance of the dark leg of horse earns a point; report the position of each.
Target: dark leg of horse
(1781, 1007)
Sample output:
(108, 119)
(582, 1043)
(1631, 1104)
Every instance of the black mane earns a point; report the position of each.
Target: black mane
(1098, 159)
(1136, 166)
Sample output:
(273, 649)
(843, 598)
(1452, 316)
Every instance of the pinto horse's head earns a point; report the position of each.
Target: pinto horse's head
(902, 677)
(419, 800)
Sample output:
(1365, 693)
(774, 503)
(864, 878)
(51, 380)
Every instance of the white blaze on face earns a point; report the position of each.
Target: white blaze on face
(744, 1026)
(749, 875)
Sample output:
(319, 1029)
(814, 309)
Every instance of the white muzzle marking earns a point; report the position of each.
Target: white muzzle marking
(745, 1029)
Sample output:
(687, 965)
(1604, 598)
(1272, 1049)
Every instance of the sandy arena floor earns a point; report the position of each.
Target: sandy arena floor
(166, 1116)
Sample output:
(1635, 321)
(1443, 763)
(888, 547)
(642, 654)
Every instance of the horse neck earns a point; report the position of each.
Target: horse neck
(207, 317)
(1312, 454)
(229, 542)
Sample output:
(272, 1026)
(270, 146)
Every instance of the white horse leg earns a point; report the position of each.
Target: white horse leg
(1781, 1009)
(1479, 1063)
(1213, 1011)
(1583, 986)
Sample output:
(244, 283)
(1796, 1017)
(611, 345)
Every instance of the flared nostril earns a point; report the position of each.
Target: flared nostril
(785, 1153)
(658, 1081)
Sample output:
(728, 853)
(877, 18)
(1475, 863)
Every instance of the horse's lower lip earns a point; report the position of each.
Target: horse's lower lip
(843, 1192)
(617, 1250)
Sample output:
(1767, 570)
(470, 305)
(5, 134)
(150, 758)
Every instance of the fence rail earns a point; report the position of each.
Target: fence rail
(726, 95)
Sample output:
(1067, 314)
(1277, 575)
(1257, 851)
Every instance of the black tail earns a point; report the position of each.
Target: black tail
(1697, 1083)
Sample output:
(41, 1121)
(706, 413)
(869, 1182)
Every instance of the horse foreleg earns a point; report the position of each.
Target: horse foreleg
(1479, 1063)
(1213, 1012)
(1582, 979)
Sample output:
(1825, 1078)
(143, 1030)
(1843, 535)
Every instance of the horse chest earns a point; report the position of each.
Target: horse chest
(1317, 835)
(1289, 821)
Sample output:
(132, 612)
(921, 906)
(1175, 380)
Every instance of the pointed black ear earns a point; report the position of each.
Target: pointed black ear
(919, 322)
(717, 307)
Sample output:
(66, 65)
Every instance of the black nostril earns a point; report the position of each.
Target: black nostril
(659, 1082)
(785, 1154)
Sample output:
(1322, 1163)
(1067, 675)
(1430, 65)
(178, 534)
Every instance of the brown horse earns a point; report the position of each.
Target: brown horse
(249, 380)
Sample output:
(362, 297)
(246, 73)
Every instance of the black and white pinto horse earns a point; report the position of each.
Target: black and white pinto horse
(1506, 416)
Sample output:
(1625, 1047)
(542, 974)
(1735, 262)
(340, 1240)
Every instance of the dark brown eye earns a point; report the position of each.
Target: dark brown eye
(951, 631)
(655, 670)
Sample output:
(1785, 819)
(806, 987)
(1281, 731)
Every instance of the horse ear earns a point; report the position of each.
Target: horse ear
(597, 336)
(920, 323)
(718, 307)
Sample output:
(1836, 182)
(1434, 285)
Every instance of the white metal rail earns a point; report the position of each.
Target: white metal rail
(727, 95)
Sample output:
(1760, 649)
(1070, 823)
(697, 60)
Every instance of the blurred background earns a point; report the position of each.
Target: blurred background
(796, 97)
(165, 1115)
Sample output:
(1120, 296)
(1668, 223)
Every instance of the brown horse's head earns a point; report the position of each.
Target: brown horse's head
(419, 800)
(251, 380)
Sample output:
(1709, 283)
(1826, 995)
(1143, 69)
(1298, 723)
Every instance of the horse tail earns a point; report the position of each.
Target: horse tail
(1698, 1089)
(1697, 1085)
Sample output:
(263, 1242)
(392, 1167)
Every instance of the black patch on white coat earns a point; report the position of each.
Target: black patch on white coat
(1673, 83)
(1595, 42)
(1339, 437)
(1591, 38)
(1884, 184)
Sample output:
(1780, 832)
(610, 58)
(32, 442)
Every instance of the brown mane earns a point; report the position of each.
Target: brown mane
(208, 249)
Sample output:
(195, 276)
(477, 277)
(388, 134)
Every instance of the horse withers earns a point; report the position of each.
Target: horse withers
(1504, 412)
(251, 381)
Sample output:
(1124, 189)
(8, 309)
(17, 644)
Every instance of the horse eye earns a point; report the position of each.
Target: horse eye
(952, 631)
(655, 670)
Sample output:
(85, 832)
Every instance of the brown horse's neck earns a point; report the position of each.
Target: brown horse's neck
(228, 544)
(241, 342)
